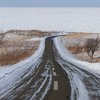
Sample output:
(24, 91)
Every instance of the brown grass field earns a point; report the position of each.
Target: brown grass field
(77, 48)
(77, 35)
(15, 48)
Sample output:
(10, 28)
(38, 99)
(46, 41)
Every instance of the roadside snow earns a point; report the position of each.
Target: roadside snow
(58, 34)
(91, 67)
(16, 70)
(34, 39)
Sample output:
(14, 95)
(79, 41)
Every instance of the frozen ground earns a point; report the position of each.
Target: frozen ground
(57, 19)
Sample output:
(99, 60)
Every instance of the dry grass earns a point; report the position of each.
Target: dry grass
(84, 57)
(78, 35)
(15, 52)
(75, 49)
(36, 33)
(78, 49)
(15, 48)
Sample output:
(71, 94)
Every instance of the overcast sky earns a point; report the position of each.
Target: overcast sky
(49, 3)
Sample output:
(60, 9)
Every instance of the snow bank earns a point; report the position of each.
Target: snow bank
(23, 65)
(34, 39)
(91, 67)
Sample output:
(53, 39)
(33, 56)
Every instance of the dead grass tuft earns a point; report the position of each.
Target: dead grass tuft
(75, 49)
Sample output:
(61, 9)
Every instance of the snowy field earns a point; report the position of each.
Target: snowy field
(48, 19)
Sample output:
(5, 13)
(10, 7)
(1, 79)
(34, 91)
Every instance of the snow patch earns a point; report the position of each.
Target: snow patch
(35, 39)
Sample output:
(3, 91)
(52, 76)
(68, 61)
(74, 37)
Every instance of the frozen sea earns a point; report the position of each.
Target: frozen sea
(51, 19)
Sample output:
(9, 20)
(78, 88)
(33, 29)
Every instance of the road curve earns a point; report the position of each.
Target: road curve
(43, 80)
(84, 84)
(52, 78)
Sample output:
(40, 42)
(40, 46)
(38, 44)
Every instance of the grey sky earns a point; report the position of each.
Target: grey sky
(49, 3)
